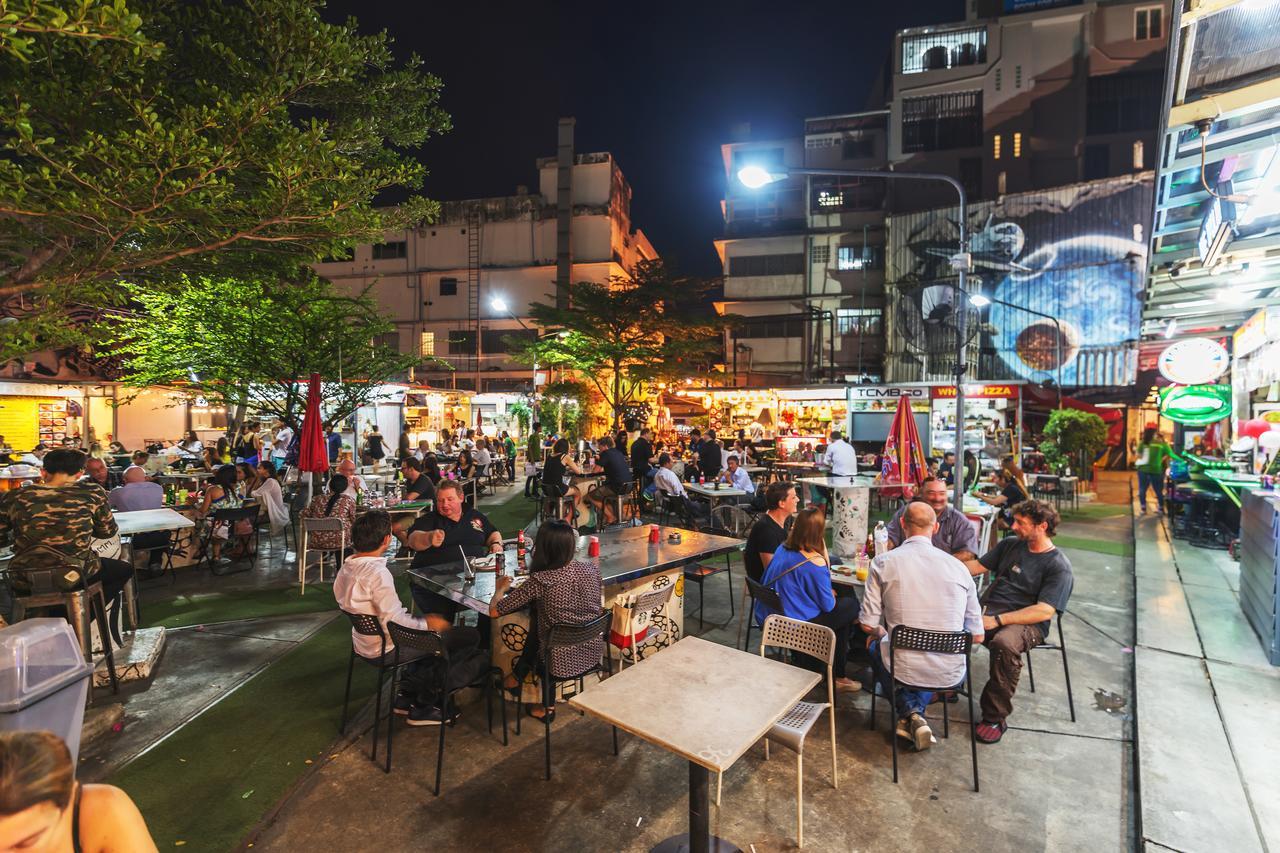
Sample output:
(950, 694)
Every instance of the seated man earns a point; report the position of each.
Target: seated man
(136, 494)
(954, 534)
(364, 585)
(436, 538)
(617, 479)
(770, 530)
(417, 485)
(97, 473)
(355, 484)
(918, 585)
(736, 478)
(1033, 580)
(670, 488)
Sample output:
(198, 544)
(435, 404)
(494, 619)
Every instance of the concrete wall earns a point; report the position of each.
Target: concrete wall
(151, 414)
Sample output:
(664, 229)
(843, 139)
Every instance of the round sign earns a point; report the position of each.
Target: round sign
(1194, 361)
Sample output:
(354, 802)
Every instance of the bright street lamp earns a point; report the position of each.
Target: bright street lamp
(755, 176)
(497, 303)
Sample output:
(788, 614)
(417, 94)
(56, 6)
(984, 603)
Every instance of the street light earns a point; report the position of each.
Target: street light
(983, 301)
(497, 303)
(756, 176)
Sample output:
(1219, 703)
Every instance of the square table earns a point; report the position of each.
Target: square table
(712, 494)
(705, 702)
(148, 521)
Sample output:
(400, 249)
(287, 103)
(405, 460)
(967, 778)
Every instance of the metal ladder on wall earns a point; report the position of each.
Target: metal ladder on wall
(473, 290)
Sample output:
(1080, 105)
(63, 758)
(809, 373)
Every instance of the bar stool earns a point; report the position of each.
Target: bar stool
(81, 606)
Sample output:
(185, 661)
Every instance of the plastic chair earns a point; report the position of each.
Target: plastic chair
(766, 596)
(699, 573)
(940, 643)
(432, 645)
(319, 525)
(817, 641)
(642, 603)
(560, 636)
(1060, 646)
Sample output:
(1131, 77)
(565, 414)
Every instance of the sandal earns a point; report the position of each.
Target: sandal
(990, 732)
(511, 691)
(547, 716)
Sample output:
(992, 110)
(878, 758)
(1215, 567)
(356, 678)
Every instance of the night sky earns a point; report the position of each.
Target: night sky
(660, 85)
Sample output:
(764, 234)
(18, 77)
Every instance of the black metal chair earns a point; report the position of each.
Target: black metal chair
(229, 518)
(699, 573)
(563, 635)
(766, 596)
(933, 642)
(368, 626)
(1060, 646)
(432, 645)
(166, 551)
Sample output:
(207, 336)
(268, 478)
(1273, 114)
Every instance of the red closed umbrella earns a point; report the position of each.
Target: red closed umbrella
(313, 455)
(903, 453)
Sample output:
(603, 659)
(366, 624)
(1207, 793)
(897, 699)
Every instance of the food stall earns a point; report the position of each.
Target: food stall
(427, 411)
(807, 415)
(992, 419)
(872, 408)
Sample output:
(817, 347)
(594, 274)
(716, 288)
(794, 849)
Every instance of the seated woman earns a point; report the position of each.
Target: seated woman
(431, 468)
(45, 808)
(247, 479)
(209, 460)
(466, 468)
(801, 576)
(219, 494)
(1011, 494)
(555, 477)
(270, 496)
(332, 505)
(562, 590)
(116, 447)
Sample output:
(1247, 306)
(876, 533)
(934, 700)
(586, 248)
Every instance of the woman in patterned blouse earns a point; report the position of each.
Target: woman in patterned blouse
(332, 505)
(561, 590)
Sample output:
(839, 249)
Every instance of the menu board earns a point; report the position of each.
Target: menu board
(53, 422)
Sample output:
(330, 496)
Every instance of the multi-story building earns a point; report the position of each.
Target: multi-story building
(457, 289)
(1005, 103)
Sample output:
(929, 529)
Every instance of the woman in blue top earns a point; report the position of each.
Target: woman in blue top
(799, 573)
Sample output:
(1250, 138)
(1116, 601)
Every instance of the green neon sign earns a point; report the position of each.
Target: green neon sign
(1196, 405)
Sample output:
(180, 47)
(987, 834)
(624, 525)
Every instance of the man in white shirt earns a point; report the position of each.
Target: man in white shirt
(921, 586)
(280, 445)
(36, 457)
(840, 458)
(736, 477)
(424, 450)
(669, 484)
(355, 484)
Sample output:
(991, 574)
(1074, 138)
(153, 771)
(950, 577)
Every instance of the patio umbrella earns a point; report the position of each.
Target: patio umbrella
(313, 454)
(903, 453)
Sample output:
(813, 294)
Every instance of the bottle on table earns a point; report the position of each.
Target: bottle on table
(881, 537)
(521, 553)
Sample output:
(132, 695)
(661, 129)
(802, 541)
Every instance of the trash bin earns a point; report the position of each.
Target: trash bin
(44, 680)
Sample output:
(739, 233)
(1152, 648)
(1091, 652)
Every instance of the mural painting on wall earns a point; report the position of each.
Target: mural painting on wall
(64, 363)
(1074, 253)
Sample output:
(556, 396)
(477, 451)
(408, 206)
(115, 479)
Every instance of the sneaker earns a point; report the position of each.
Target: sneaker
(990, 732)
(402, 704)
(921, 734)
(419, 716)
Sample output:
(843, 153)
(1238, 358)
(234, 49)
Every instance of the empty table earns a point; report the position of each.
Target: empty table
(705, 702)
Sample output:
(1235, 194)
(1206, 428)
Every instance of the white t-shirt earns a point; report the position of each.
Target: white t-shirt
(283, 438)
(666, 480)
(841, 458)
(483, 457)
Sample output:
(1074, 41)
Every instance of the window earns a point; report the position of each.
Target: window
(866, 322)
(391, 340)
(748, 265)
(858, 149)
(772, 327)
(389, 251)
(995, 147)
(820, 253)
(427, 344)
(1097, 162)
(1148, 23)
(1123, 103)
(1139, 156)
(860, 258)
(495, 341)
(1002, 183)
(971, 176)
(937, 51)
(462, 343)
(1017, 144)
(833, 194)
(448, 287)
(939, 122)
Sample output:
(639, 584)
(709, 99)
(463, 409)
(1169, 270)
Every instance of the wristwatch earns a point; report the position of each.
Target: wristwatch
(999, 621)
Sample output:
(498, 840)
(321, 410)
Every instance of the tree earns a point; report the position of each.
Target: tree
(252, 344)
(650, 325)
(216, 138)
(1073, 437)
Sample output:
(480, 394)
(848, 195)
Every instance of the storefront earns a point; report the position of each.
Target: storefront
(872, 409)
(428, 411)
(56, 415)
(492, 413)
(1255, 385)
(992, 419)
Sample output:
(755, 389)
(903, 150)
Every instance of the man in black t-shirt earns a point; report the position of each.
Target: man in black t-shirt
(617, 478)
(770, 530)
(947, 470)
(1033, 581)
(642, 456)
(417, 486)
(710, 460)
(435, 537)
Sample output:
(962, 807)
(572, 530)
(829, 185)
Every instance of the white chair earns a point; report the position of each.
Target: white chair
(318, 525)
(645, 602)
(817, 641)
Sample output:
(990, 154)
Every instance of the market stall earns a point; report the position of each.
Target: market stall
(992, 419)
(427, 411)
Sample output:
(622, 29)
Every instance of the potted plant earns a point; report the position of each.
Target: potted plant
(1073, 439)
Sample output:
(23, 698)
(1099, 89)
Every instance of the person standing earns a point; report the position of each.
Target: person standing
(280, 445)
(840, 457)
(710, 460)
(1153, 459)
(532, 456)
(509, 450)
(333, 440)
(247, 446)
(375, 448)
(920, 586)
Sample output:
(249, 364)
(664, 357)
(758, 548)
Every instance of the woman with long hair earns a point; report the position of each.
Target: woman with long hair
(247, 479)
(555, 476)
(466, 466)
(220, 493)
(44, 808)
(431, 468)
(270, 496)
(247, 445)
(561, 590)
(800, 573)
(332, 504)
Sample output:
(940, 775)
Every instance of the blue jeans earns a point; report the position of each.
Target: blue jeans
(1156, 482)
(909, 700)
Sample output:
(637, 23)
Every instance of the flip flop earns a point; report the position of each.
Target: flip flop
(990, 732)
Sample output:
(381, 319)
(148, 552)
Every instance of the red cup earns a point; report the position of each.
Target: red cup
(593, 548)
(653, 533)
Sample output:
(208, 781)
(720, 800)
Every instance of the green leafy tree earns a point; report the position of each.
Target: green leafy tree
(1073, 437)
(653, 324)
(202, 138)
(252, 344)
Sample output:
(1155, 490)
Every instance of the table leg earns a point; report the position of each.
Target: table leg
(699, 838)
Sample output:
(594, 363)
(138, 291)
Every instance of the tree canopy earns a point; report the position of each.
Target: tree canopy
(254, 343)
(204, 138)
(648, 326)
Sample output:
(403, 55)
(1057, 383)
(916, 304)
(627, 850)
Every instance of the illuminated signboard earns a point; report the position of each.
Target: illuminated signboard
(977, 392)
(1196, 405)
(1194, 361)
(1256, 331)
(1217, 229)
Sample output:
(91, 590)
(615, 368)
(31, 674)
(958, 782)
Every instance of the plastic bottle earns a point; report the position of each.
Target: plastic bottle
(881, 537)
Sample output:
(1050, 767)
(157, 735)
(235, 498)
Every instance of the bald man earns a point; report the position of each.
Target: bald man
(347, 468)
(922, 586)
(97, 473)
(136, 494)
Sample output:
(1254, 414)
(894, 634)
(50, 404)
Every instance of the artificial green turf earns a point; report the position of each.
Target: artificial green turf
(210, 782)
(202, 608)
(1100, 546)
(1096, 510)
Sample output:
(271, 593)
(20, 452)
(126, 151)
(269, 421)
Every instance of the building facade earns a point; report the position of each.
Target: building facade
(458, 289)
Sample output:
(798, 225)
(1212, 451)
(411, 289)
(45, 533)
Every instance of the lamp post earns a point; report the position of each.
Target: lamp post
(755, 177)
(982, 301)
(499, 304)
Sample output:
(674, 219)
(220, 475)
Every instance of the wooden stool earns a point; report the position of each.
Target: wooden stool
(82, 607)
